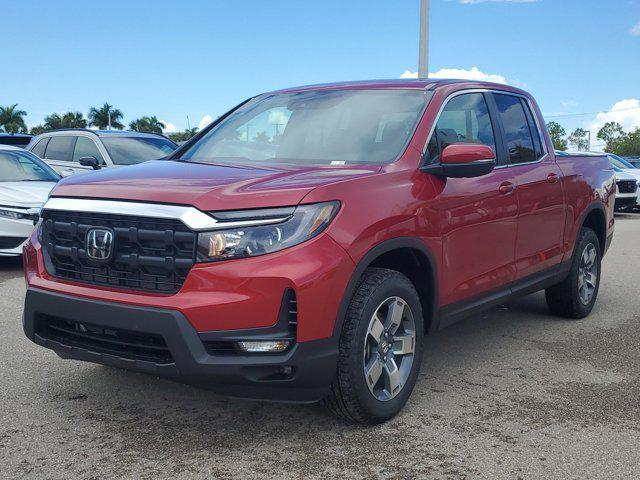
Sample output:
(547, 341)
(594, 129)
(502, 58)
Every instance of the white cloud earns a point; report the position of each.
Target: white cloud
(168, 127)
(625, 112)
(206, 120)
(635, 30)
(459, 73)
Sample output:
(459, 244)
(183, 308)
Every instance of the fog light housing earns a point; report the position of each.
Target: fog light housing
(264, 346)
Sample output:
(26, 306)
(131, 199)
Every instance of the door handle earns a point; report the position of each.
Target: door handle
(506, 188)
(552, 178)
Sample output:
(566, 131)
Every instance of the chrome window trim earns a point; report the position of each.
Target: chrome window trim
(543, 140)
(192, 217)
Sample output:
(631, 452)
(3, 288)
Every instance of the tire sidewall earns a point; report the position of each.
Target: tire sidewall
(399, 286)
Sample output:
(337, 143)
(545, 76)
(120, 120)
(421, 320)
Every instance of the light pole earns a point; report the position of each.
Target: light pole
(423, 62)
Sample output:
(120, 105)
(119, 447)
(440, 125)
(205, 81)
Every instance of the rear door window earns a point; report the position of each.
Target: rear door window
(516, 129)
(60, 148)
(40, 147)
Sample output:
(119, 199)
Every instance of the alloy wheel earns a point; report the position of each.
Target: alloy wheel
(587, 274)
(389, 348)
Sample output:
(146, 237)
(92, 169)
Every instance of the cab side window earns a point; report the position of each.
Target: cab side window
(518, 129)
(60, 148)
(464, 119)
(40, 147)
(85, 147)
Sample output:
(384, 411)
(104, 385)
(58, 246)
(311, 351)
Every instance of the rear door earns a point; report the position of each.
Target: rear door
(541, 217)
(478, 215)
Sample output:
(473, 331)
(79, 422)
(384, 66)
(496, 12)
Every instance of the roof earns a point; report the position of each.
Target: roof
(104, 133)
(17, 135)
(405, 83)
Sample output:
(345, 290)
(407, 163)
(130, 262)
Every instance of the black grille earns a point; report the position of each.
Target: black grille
(11, 242)
(148, 253)
(113, 341)
(627, 186)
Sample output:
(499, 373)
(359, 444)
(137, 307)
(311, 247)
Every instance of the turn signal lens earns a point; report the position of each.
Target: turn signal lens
(266, 346)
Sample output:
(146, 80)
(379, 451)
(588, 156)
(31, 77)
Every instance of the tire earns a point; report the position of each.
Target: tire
(354, 396)
(567, 299)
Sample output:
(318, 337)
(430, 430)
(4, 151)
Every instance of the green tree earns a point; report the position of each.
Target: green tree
(11, 119)
(580, 139)
(38, 129)
(99, 117)
(262, 137)
(183, 136)
(65, 120)
(612, 134)
(147, 124)
(558, 134)
(627, 145)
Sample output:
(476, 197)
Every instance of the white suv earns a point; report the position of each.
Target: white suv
(72, 151)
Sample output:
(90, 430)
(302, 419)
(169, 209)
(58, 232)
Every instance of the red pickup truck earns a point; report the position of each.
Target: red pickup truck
(301, 246)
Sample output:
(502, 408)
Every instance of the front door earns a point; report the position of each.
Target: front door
(478, 215)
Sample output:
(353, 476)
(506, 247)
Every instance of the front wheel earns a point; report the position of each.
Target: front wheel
(576, 295)
(380, 349)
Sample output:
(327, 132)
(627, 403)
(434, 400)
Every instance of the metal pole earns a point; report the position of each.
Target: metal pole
(109, 119)
(423, 63)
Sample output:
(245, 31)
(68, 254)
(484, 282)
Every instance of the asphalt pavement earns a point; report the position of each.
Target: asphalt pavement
(512, 393)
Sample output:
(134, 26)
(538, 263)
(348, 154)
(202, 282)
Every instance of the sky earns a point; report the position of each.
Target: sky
(188, 62)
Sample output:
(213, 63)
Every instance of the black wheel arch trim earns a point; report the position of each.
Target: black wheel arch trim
(374, 253)
(597, 205)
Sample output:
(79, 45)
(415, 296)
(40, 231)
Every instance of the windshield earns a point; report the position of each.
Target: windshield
(318, 127)
(24, 167)
(620, 162)
(131, 150)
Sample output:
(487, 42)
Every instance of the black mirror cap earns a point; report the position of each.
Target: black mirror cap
(90, 162)
(460, 170)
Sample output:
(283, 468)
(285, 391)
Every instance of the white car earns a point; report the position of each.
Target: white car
(25, 183)
(627, 190)
(627, 180)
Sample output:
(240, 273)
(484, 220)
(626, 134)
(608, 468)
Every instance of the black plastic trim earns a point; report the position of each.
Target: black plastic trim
(312, 364)
(453, 313)
(369, 257)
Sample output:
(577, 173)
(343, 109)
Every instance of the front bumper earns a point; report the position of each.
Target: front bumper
(624, 202)
(15, 233)
(309, 366)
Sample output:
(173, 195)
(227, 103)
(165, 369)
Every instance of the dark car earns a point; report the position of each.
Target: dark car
(15, 139)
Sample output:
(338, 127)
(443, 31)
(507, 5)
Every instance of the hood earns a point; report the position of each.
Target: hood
(624, 175)
(634, 172)
(208, 186)
(24, 194)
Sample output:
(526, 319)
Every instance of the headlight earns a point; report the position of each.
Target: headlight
(18, 214)
(304, 223)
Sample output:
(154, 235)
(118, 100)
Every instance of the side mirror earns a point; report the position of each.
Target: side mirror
(90, 162)
(463, 160)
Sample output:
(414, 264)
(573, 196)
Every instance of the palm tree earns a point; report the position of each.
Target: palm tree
(147, 124)
(11, 119)
(104, 116)
(262, 137)
(66, 120)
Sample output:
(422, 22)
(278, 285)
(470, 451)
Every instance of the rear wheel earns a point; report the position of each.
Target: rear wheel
(380, 349)
(576, 295)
